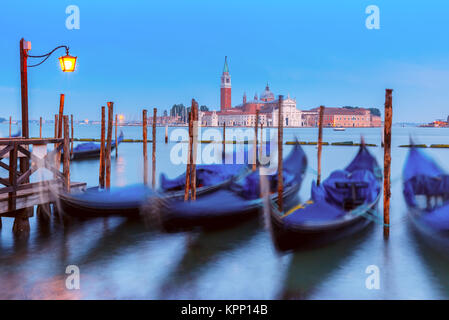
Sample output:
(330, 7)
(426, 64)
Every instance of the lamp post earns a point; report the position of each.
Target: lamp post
(68, 64)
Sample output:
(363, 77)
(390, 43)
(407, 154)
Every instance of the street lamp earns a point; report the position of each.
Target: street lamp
(68, 64)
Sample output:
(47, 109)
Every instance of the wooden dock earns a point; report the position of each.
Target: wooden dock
(20, 158)
(33, 195)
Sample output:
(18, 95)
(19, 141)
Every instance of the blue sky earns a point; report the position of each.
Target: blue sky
(145, 54)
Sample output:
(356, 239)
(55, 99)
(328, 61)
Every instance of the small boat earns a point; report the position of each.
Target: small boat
(339, 129)
(426, 192)
(96, 202)
(208, 178)
(130, 200)
(342, 205)
(238, 202)
(89, 150)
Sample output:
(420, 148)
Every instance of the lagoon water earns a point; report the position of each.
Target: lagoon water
(123, 259)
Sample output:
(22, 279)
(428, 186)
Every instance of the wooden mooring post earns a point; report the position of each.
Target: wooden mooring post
(109, 144)
(153, 157)
(166, 133)
(387, 159)
(71, 140)
(145, 141)
(194, 149)
(40, 127)
(320, 144)
(56, 125)
(255, 144)
(280, 158)
(66, 156)
(224, 141)
(61, 113)
(189, 152)
(116, 141)
(101, 181)
(261, 141)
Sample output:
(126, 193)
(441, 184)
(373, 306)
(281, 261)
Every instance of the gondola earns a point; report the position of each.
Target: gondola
(426, 192)
(238, 202)
(90, 150)
(130, 200)
(340, 206)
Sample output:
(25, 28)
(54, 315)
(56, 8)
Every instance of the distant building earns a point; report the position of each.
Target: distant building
(244, 114)
(343, 117)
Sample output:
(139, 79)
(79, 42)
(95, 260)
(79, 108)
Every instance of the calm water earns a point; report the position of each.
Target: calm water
(128, 260)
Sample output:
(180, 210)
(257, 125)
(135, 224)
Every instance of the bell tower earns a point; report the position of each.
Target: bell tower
(225, 88)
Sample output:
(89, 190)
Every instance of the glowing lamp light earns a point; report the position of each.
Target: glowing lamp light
(68, 63)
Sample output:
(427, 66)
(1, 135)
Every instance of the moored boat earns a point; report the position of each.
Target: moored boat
(236, 203)
(90, 150)
(131, 200)
(426, 192)
(342, 205)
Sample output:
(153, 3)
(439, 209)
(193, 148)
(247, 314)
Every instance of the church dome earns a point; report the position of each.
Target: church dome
(267, 95)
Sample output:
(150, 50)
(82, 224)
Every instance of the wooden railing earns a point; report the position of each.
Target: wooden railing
(17, 150)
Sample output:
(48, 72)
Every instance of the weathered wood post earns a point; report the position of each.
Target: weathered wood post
(387, 159)
(116, 141)
(24, 163)
(102, 148)
(153, 159)
(224, 141)
(40, 127)
(56, 125)
(189, 153)
(261, 141)
(12, 177)
(109, 144)
(255, 144)
(66, 154)
(166, 133)
(10, 125)
(145, 141)
(71, 141)
(60, 128)
(280, 158)
(320, 144)
(194, 149)
(57, 154)
(61, 113)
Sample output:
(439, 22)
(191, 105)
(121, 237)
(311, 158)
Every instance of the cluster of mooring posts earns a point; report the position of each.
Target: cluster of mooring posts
(104, 175)
(190, 183)
(145, 147)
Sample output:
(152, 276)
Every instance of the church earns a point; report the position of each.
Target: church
(244, 114)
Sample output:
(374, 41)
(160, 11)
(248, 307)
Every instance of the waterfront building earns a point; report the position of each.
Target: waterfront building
(244, 114)
(344, 117)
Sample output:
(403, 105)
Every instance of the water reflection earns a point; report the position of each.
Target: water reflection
(434, 258)
(202, 250)
(309, 268)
